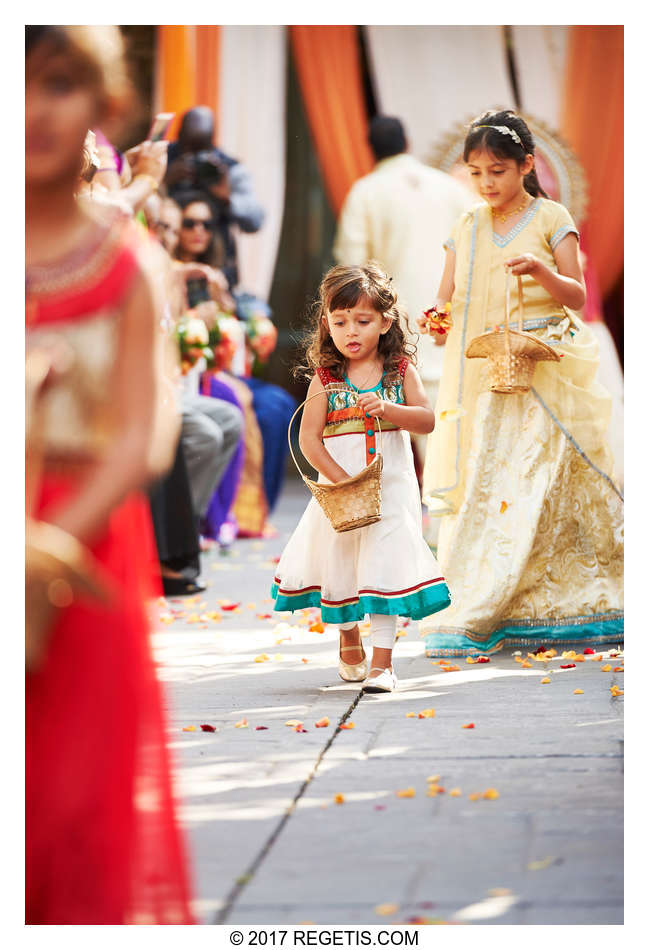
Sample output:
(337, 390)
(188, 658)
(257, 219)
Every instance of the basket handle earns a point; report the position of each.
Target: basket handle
(303, 403)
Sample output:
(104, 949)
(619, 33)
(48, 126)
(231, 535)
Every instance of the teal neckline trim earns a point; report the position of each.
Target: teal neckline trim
(372, 390)
(502, 240)
(597, 629)
(417, 605)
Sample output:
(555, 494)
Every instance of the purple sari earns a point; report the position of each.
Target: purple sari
(223, 497)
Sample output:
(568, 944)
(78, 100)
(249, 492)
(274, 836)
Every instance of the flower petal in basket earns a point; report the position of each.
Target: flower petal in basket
(520, 344)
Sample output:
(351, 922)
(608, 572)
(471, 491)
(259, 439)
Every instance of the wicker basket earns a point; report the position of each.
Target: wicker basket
(353, 503)
(512, 354)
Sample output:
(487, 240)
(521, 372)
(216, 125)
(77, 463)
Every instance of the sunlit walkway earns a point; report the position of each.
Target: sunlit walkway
(271, 844)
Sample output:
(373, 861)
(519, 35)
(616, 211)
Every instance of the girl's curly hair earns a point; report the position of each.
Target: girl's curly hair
(341, 289)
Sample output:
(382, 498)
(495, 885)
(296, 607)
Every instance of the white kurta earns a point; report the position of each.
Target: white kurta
(400, 215)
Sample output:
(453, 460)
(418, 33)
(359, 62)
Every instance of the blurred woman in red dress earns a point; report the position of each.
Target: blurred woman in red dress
(102, 844)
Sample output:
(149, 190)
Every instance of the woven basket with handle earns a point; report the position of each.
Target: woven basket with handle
(512, 354)
(356, 501)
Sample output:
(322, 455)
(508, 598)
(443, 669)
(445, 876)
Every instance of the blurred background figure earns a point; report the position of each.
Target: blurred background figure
(102, 846)
(195, 163)
(400, 215)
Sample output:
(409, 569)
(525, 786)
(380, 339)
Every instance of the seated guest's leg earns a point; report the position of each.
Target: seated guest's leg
(219, 386)
(209, 440)
(273, 408)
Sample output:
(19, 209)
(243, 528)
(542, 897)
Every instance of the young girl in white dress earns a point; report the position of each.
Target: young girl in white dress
(364, 369)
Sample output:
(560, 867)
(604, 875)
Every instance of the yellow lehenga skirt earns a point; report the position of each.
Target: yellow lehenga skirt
(531, 539)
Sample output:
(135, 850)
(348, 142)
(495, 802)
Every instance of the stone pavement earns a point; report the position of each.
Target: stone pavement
(270, 845)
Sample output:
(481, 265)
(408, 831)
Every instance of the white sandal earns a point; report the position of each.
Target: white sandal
(386, 682)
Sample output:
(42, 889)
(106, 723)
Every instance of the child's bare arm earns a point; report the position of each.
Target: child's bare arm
(444, 294)
(567, 287)
(314, 419)
(416, 416)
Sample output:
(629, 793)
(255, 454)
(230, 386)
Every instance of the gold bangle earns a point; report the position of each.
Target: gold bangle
(153, 182)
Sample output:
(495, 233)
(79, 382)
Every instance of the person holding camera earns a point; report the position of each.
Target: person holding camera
(195, 163)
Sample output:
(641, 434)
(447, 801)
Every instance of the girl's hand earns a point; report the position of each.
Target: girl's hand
(525, 264)
(370, 402)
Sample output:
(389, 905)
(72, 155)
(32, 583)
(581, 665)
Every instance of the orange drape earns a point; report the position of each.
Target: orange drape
(593, 123)
(207, 67)
(176, 72)
(329, 71)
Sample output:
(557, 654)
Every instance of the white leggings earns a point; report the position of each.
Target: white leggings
(383, 627)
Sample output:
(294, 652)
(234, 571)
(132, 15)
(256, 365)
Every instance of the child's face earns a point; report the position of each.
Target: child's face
(60, 107)
(356, 332)
(498, 180)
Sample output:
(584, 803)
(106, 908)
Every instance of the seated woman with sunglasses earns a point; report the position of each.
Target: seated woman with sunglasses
(267, 408)
(240, 492)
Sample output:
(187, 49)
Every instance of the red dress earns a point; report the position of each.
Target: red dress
(102, 844)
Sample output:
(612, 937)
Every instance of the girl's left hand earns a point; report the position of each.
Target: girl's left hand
(370, 402)
(525, 264)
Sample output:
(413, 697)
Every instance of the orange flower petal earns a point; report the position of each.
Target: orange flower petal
(618, 669)
(426, 714)
(410, 715)
(577, 691)
(242, 724)
(406, 792)
(339, 799)
(433, 778)
(606, 668)
(317, 627)
(292, 722)
(322, 723)
(455, 792)
(503, 507)
(347, 725)
(304, 660)
(546, 679)
(491, 793)
(474, 796)
(469, 725)
(386, 910)
(189, 728)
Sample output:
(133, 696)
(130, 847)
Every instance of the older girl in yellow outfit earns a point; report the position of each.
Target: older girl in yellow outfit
(531, 543)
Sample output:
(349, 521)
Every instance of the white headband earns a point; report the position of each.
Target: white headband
(505, 131)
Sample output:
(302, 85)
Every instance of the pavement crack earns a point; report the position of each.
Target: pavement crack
(242, 882)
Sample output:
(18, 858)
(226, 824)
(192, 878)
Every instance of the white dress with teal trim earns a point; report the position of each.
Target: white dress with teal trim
(383, 568)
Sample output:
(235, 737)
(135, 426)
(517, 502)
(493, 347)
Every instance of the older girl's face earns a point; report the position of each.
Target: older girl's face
(196, 229)
(498, 180)
(60, 107)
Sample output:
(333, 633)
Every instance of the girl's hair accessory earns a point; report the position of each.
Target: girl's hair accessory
(505, 131)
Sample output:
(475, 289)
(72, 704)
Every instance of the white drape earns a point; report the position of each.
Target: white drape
(540, 53)
(432, 77)
(252, 121)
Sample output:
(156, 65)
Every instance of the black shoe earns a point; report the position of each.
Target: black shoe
(180, 587)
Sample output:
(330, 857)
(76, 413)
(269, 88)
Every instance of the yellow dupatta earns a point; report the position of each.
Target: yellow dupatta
(567, 390)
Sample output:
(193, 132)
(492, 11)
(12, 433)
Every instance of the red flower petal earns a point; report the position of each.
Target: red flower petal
(207, 728)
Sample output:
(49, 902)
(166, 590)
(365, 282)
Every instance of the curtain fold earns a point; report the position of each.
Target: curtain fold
(433, 77)
(540, 54)
(593, 124)
(208, 49)
(327, 60)
(252, 129)
(175, 72)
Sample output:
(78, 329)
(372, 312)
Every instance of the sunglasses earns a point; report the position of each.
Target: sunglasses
(190, 223)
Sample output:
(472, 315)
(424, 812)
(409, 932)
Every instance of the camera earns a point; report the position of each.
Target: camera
(209, 170)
